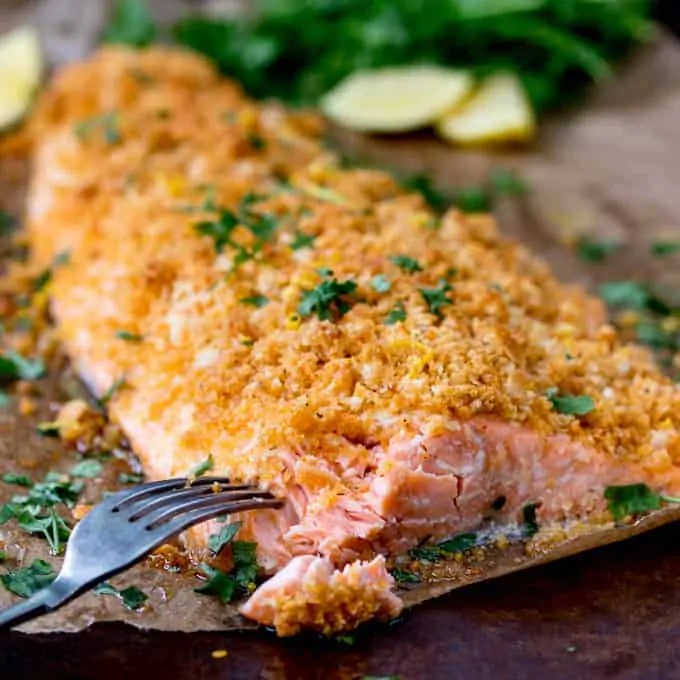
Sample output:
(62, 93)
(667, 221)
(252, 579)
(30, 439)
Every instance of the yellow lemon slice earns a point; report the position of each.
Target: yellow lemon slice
(21, 68)
(396, 99)
(499, 111)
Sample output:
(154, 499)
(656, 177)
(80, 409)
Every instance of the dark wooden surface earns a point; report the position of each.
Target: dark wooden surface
(610, 613)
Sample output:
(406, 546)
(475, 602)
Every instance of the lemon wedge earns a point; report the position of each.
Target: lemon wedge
(21, 68)
(396, 99)
(499, 111)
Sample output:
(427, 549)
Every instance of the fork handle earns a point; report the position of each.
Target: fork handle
(35, 606)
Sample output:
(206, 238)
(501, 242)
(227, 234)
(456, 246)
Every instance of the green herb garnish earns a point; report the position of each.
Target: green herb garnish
(380, 283)
(201, 468)
(436, 297)
(131, 24)
(302, 240)
(13, 366)
(130, 478)
(457, 544)
(3, 556)
(630, 294)
(87, 469)
(570, 404)
(663, 248)
(406, 264)
(634, 499)
(423, 185)
(498, 503)
(6, 223)
(473, 200)
(48, 430)
(29, 580)
(256, 142)
(506, 182)
(529, 522)
(330, 299)
(116, 386)
(239, 581)
(405, 576)
(106, 123)
(132, 597)
(396, 314)
(258, 301)
(596, 250)
(129, 337)
(19, 480)
(40, 282)
(226, 534)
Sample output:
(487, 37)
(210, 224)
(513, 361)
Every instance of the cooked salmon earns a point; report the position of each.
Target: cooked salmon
(320, 331)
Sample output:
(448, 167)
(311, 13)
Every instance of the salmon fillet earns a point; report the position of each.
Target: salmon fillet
(320, 331)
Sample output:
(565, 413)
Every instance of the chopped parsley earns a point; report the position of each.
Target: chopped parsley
(457, 544)
(106, 124)
(570, 404)
(380, 283)
(436, 297)
(596, 250)
(201, 468)
(29, 580)
(19, 480)
(405, 576)
(256, 142)
(396, 314)
(129, 337)
(473, 200)
(132, 597)
(6, 223)
(220, 229)
(131, 24)
(87, 469)
(3, 556)
(116, 386)
(13, 366)
(48, 429)
(331, 299)
(634, 499)
(529, 523)
(40, 282)
(225, 536)
(35, 511)
(423, 185)
(302, 240)
(406, 264)
(630, 294)
(241, 579)
(663, 248)
(130, 478)
(506, 182)
(258, 301)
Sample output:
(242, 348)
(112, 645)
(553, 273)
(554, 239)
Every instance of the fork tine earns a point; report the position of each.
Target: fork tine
(169, 510)
(176, 499)
(187, 519)
(154, 488)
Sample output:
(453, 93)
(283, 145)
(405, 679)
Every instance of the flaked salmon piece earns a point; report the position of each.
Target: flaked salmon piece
(321, 332)
(308, 593)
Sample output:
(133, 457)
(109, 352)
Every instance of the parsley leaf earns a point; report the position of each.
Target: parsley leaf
(132, 597)
(6, 223)
(226, 534)
(423, 185)
(459, 543)
(48, 429)
(632, 499)
(13, 366)
(40, 282)
(302, 240)
(530, 525)
(106, 123)
(473, 200)
(405, 576)
(87, 469)
(396, 314)
(220, 230)
(436, 297)
(201, 468)
(29, 580)
(220, 584)
(328, 300)
(131, 24)
(129, 337)
(381, 284)
(596, 250)
(19, 480)
(569, 404)
(258, 301)
(3, 556)
(130, 478)
(256, 142)
(663, 248)
(625, 294)
(506, 182)
(116, 386)
(407, 264)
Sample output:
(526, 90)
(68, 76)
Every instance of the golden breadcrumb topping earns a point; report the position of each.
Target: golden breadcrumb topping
(246, 285)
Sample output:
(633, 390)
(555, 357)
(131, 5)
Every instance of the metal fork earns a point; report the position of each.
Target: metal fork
(128, 525)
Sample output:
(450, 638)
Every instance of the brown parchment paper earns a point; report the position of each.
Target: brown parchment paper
(607, 169)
